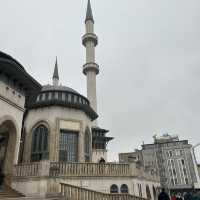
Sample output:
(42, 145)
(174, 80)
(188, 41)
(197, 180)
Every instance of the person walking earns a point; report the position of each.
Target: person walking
(179, 197)
(173, 197)
(163, 195)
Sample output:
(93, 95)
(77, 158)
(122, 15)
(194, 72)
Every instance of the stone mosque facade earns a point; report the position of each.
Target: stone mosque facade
(50, 141)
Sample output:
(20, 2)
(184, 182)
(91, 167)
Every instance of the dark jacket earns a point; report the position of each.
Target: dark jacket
(163, 196)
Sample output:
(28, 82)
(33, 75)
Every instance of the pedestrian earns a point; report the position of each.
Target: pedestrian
(188, 196)
(179, 197)
(163, 195)
(173, 197)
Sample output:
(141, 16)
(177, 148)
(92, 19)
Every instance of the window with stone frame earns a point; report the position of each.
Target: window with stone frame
(114, 189)
(68, 146)
(39, 149)
(124, 189)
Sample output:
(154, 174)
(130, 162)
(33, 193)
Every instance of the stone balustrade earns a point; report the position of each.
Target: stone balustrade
(65, 169)
(88, 169)
(70, 192)
(27, 170)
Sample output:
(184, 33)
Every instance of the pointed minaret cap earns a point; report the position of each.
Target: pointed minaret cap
(89, 15)
(55, 73)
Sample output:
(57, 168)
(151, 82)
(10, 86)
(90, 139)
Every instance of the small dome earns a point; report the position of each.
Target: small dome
(46, 88)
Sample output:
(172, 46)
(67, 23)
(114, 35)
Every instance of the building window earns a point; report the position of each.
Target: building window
(124, 189)
(172, 163)
(68, 146)
(184, 171)
(63, 96)
(87, 145)
(53, 95)
(148, 193)
(72, 98)
(170, 153)
(172, 182)
(60, 96)
(39, 144)
(183, 162)
(186, 181)
(69, 99)
(114, 189)
(46, 96)
(56, 95)
(40, 97)
(50, 95)
(140, 190)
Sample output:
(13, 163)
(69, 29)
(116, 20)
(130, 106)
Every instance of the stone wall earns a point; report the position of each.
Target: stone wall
(11, 115)
(56, 118)
(51, 186)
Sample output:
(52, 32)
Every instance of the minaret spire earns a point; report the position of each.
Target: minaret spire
(55, 74)
(89, 15)
(90, 69)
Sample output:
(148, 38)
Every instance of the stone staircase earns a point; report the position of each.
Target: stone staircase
(8, 192)
(30, 198)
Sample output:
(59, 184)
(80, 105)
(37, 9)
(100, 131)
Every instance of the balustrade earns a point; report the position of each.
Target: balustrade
(65, 169)
(70, 192)
(88, 169)
(27, 170)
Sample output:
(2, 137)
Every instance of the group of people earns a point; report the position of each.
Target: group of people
(195, 195)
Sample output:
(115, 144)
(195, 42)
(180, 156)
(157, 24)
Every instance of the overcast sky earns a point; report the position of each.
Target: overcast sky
(148, 52)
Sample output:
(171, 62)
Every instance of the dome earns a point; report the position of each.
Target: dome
(62, 96)
(58, 88)
(8, 57)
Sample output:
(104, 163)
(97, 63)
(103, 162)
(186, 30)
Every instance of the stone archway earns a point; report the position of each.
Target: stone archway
(9, 145)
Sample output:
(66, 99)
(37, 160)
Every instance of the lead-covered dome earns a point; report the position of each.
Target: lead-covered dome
(51, 95)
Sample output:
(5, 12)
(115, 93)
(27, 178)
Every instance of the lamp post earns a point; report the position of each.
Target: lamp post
(197, 184)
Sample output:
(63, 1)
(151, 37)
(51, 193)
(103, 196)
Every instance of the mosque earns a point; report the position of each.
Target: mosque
(50, 141)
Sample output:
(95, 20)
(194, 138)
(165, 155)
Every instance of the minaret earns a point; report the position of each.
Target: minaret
(90, 69)
(55, 74)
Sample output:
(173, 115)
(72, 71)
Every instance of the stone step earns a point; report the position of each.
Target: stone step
(8, 192)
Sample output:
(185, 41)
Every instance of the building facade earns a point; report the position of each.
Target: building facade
(172, 160)
(50, 140)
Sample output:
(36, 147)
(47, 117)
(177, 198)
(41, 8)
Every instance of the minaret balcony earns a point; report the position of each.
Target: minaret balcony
(89, 37)
(90, 67)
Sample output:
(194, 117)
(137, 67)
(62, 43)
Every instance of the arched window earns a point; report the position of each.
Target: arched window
(148, 193)
(114, 189)
(87, 145)
(39, 144)
(124, 189)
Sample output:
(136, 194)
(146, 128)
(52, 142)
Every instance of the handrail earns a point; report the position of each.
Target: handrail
(71, 192)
